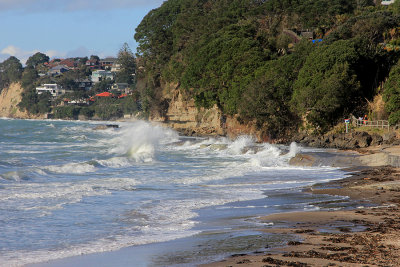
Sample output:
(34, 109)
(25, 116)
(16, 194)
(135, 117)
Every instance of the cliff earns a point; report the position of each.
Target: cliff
(182, 115)
(9, 99)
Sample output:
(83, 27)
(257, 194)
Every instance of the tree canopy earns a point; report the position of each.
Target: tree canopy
(37, 59)
(246, 57)
(10, 71)
(127, 62)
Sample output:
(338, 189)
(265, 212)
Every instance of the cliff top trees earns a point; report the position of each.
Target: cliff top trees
(10, 71)
(37, 59)
(391, 95)
(240, 54)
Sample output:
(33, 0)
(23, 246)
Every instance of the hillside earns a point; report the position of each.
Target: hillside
(268, 67)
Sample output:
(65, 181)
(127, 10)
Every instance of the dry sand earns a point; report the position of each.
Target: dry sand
(366, 236)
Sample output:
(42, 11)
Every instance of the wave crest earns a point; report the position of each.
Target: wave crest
(140, 140)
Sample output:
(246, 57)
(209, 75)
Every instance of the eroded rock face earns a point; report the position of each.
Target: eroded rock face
(183, 116)
(9, 99)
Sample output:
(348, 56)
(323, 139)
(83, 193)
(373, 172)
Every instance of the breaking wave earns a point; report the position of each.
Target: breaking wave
(140, 140)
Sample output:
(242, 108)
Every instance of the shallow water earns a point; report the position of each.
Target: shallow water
(67, 189)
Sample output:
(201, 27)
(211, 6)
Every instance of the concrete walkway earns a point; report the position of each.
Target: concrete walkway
(382, 156)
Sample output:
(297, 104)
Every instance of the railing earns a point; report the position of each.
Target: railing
(374, 124)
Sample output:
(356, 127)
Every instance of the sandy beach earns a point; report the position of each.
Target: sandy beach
(365, 236)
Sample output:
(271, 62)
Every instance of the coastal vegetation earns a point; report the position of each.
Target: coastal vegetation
(285, 65)
(76, 93)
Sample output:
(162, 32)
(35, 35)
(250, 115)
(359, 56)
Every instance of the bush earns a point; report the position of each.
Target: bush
(67, 112)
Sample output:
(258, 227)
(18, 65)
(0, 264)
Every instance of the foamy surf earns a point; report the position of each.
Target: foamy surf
(138, 184)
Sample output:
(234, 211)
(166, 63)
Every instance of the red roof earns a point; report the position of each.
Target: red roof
(123, 95)
(68, 62)
(105, 94)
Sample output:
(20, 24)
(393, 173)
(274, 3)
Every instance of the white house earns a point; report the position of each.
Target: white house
(387, 2)
(101, 75)
(116, 67)
(54, 89)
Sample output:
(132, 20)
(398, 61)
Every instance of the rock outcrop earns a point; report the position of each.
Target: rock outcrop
(9, 100)
(346, 140)
(183, 116)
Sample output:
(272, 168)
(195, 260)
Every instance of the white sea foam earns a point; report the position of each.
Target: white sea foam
(116, 162)
(240, 145)
(12, 175)
(64, 193)
(140, 140)
(73, 168)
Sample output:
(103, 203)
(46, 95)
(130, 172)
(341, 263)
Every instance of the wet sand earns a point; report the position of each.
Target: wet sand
(366, 236)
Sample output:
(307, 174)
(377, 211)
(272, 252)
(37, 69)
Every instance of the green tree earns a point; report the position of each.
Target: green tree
(11, 71)
(224, 63)
(327, 84)
(94, 57)
(391, 95)
(37, 59)
(102, 86)
(68, 112)
(128, 66)
(29, 77)
(107, 108)
(267, 98)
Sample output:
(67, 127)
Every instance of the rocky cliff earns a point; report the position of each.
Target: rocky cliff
(182, 115)
(9, 99)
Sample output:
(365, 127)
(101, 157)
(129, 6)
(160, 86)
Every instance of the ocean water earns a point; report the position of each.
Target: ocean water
(67, 189)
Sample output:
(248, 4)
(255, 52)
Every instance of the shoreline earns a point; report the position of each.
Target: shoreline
(374, 186)
(362, 236)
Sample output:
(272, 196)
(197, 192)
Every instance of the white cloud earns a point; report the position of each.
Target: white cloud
(23, 55)
(74, 5)
(16, 52)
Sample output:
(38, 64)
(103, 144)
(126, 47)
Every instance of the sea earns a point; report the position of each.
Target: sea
(71, 188)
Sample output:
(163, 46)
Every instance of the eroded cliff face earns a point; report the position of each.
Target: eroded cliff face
(183, 116)
(9, 100)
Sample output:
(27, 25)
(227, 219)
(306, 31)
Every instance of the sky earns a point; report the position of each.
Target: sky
(69, 28)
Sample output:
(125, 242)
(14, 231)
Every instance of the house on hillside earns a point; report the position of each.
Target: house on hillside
(387, 2)
(57, 70)
(93, 64)
(101, 75)
(307, 34)
(84, 84)
(54, 89)
(107, 62)
(121, 87)
(105, 94)
(116, 67)
(52, 63)
(70, 63)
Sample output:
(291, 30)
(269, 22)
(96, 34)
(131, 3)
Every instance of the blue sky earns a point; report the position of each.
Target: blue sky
(69, 28)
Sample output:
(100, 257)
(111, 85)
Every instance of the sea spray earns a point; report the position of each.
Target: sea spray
(140, 140)
(293, 150)
(241, 144)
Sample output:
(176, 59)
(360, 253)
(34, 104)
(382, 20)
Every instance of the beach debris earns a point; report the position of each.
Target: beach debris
(244, 261)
